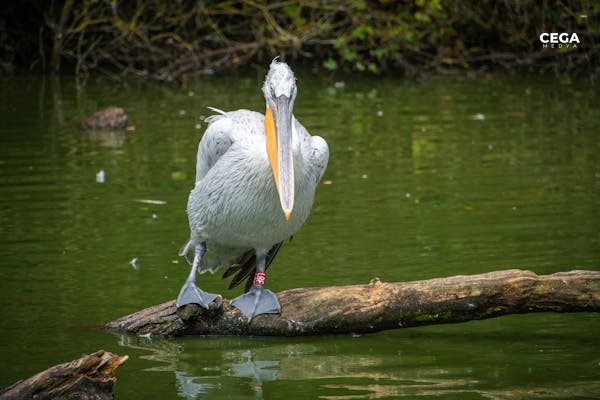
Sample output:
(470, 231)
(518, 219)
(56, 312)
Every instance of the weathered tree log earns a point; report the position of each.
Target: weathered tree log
(90, 377)
(379, 306)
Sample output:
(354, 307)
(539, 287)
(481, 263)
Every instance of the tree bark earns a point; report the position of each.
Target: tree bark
(90, 377)
(59, 36)
(379, 306)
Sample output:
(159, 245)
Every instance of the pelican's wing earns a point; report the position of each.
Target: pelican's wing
(216, 141)
(315, 150)
(319, 156)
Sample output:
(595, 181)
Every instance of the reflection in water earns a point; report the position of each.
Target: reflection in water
(106, 138)
(345, 368)
(190, 384)
(257, 371)
(461, 389)
(188, 388)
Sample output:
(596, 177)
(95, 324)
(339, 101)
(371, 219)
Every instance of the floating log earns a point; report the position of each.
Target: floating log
(379, 306)
(90, 377)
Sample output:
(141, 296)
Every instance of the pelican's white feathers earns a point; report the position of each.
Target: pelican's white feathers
(234, 206)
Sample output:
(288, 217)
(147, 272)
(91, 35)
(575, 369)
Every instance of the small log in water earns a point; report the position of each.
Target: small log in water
(378, 306)
(107, 119)
(90, 377)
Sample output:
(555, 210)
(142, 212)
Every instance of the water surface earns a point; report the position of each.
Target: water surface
(449, 176)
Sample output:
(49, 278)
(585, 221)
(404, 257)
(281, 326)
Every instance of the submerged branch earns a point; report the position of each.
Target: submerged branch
(379, 306)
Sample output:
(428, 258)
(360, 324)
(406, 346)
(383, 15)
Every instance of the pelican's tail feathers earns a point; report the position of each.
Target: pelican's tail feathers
(245, 267)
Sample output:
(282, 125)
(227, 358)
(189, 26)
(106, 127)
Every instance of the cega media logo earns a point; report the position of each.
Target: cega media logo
(557, 40)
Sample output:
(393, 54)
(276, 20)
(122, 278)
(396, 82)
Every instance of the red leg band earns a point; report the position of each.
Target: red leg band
(260, 278)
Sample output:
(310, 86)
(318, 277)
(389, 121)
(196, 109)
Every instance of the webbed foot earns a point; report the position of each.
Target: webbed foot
(190, 293)
(257, 301)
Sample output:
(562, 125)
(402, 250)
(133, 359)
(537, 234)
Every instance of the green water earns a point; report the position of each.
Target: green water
(416, 188)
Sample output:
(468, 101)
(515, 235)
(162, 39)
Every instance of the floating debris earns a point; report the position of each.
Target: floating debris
(379, 113)
(135, 263)
(182, 112)
(150, 201)
(154, 216)
(146, 335)
(130, 128)
(364, 176)
(327, 182)
(108, 118)
(198, 126)
(339, 84)
(100, 176)
(478, 117)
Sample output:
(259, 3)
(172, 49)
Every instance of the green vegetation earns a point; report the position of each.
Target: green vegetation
(169, 40)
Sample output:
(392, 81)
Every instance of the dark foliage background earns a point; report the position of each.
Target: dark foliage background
(166, 39)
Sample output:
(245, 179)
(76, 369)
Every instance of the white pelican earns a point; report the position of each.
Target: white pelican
(256, 177)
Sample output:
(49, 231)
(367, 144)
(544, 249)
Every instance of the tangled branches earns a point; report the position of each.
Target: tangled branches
(169, 40)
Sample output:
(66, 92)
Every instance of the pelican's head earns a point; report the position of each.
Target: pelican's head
(280, 92)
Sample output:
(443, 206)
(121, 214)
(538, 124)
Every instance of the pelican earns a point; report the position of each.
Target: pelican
(256, 177)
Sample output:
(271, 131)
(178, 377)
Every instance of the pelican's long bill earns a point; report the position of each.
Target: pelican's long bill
(278, 126)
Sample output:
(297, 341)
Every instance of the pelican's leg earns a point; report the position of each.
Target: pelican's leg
(258, 300)
(190, 293)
